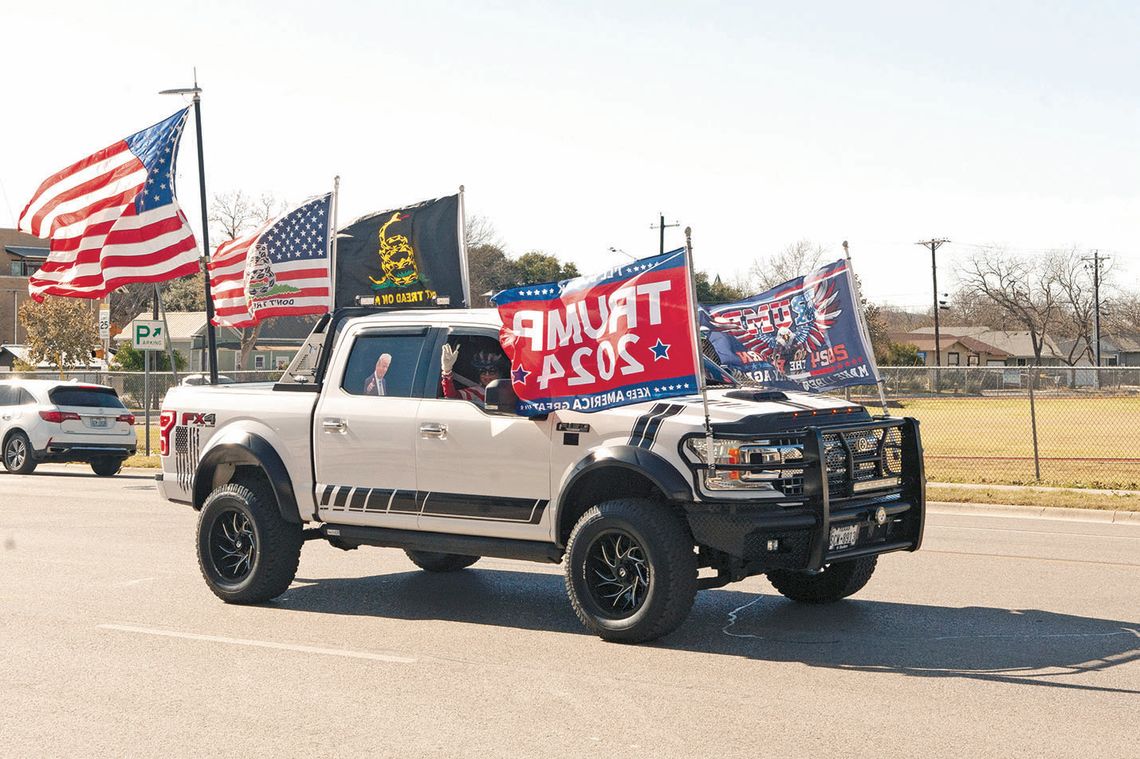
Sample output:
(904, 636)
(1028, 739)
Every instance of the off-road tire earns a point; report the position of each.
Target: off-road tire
(18, 454)
(276, 548)
(836, 581)
(440, 562)
(663, 548)
(107, 467)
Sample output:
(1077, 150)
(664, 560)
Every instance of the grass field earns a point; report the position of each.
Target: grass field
(1083, 442)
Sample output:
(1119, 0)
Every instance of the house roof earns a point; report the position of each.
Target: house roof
(181, 325)
(984, 339)
(25, 252)
(17, 239)
(926, 343)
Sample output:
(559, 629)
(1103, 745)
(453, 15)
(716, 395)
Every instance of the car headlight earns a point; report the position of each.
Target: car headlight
(734, 452)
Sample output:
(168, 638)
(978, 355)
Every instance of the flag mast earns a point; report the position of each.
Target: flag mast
(464, 266)
(332, 243)
(694, 320)
(211, 333)
(863, 326)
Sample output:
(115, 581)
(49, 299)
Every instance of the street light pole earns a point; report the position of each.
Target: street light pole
(934, 245)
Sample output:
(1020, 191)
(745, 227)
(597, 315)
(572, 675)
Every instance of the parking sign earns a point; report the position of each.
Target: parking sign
(148, 335)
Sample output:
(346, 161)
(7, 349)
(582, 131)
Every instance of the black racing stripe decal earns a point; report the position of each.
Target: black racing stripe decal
(405, 502)
(638, 433)
(495, 508)
(654, 426)
(377, 499)
(326, 495)
(357, 499)
(341, 496)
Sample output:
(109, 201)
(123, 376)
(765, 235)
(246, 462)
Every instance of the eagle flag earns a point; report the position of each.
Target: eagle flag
(282, 269)
(113, 218)
(805, 334)
(621, 336)
(407, 257)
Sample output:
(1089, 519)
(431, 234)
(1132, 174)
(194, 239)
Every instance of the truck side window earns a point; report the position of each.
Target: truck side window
(383, 365)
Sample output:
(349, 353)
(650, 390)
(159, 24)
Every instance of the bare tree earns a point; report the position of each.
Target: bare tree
(234, 214)
(793, 261)
(1121, 313)
(1023, 289)
(1073, 278)
(481, 232)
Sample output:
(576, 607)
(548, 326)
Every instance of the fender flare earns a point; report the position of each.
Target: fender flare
(240, 447)
(652, 466)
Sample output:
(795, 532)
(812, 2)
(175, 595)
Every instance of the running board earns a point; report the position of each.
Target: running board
(351, 536)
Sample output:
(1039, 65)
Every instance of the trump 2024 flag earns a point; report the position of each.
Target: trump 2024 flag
(281, 269)
(113, 219)
(590, 343)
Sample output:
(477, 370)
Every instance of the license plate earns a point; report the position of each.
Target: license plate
(843, 537)
(98, 421)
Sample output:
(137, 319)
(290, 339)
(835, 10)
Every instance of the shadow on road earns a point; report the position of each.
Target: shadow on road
(1023, 646)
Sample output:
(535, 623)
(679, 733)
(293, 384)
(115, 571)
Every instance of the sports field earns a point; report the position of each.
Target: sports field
(1083, 442)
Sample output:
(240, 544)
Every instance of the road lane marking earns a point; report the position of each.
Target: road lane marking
(1031, 558)
(263, 644)
(129, 583)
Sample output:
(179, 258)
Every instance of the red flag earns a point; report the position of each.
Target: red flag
(589, 343)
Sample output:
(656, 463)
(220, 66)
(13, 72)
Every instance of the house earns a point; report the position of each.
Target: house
(23, 255)
(277, 342)
(1115, 350)
(978, 346)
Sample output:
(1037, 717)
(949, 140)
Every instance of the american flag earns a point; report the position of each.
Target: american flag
(112, 218)
(282, 269)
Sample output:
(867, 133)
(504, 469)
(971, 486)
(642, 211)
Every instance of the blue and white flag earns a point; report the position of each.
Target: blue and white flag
(806, 334)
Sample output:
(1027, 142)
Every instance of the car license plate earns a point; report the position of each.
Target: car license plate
(843, 537)
(98, 421)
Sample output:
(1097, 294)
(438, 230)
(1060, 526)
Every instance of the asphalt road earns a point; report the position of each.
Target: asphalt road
(1002, 637)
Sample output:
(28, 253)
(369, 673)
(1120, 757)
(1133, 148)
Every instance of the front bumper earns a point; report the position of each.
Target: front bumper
(86, 452)
(798, 533)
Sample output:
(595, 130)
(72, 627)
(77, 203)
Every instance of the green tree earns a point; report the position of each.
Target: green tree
(716, 291)
(185, 294)
(62, 331)
(491, 269)
(899, 354)
(536, 266)
(129, 359)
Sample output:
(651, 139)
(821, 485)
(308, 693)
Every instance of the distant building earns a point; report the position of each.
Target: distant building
(978, 346)
(23, 255)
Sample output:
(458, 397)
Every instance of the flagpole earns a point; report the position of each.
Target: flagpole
(332, 243)
(463, 265)
(211, 334)
(694, 320)
(863, 326)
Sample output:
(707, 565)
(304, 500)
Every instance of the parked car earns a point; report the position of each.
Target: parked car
(46, 420)
(204, 379)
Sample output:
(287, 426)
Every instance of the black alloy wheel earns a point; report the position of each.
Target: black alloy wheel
(617, 574)
(232, 546)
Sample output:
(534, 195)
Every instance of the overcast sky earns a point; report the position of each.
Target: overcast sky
(573, 124)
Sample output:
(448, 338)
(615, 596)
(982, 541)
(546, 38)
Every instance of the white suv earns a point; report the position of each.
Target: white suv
(45, 420)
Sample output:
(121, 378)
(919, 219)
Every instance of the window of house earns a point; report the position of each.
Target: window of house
(1022, 362)
(259, 362)
(972, 360)
(953, 358)
(1110, 361)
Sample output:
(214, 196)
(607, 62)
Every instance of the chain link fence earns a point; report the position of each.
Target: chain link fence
(1014, 425)
(132, 386)
(1063, 426)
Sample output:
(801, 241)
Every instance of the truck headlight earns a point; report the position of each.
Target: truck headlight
(733, 452)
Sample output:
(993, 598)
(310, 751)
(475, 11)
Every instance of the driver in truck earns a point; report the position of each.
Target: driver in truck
(488, 364)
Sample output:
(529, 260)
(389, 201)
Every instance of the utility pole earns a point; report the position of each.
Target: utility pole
(663, 226)
(934, 245)
(1096, 260)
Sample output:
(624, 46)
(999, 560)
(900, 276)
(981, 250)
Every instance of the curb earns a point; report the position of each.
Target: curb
(1034, 512)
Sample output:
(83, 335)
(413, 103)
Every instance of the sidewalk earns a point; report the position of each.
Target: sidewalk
(1042, 488)
(1034, 512)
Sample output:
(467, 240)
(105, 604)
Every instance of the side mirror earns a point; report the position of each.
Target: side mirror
(499, 397)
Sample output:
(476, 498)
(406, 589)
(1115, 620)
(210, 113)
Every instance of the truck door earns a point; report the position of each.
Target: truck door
(364, 429)
(479, 473)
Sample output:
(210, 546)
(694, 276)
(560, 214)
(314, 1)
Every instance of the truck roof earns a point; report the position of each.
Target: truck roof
(483, 317)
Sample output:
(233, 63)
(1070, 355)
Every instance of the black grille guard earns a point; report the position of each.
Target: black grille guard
(827, 490)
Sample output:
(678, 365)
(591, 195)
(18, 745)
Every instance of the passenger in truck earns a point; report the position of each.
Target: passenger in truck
(489, 365)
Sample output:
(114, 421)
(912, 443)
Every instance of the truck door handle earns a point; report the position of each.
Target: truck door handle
(334, 425)
(433, 430)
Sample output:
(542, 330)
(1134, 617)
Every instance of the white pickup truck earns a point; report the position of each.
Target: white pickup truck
(809, 490)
